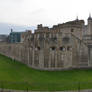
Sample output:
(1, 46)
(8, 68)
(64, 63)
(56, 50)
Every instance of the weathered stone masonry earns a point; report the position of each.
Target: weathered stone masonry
(56, 48)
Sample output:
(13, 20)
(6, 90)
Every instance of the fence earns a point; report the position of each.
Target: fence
(29, 87)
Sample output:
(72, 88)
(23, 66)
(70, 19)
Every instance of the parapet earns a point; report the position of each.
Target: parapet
(40, 28)
(76, 23)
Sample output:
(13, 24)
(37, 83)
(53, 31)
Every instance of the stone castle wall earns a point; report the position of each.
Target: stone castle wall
(50, 56)
(60, 47)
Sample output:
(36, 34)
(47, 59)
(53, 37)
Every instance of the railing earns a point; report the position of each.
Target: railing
(25, 86)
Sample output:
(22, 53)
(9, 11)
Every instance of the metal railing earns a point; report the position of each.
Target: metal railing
(26, 86)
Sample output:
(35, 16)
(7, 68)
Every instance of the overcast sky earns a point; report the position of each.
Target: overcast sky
(46, 12)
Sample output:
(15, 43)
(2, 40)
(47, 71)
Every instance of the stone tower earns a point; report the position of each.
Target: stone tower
(89, 25)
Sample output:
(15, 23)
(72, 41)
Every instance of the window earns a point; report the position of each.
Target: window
(38, 48)
(72, 30)
(62, 48)
(53, 48)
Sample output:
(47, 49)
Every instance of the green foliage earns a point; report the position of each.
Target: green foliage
(15, 75)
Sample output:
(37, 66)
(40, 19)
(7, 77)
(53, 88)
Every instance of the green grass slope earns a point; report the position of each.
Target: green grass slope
(15, 75)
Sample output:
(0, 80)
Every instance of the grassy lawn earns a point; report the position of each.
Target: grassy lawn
(15, 75)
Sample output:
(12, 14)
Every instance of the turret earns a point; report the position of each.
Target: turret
(89, 25)
(77, 18)
(40, 26)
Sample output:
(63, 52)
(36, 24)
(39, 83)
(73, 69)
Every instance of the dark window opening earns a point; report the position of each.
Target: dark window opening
(62, 48)
(38, 48)
(52, 48)
(72, 30)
